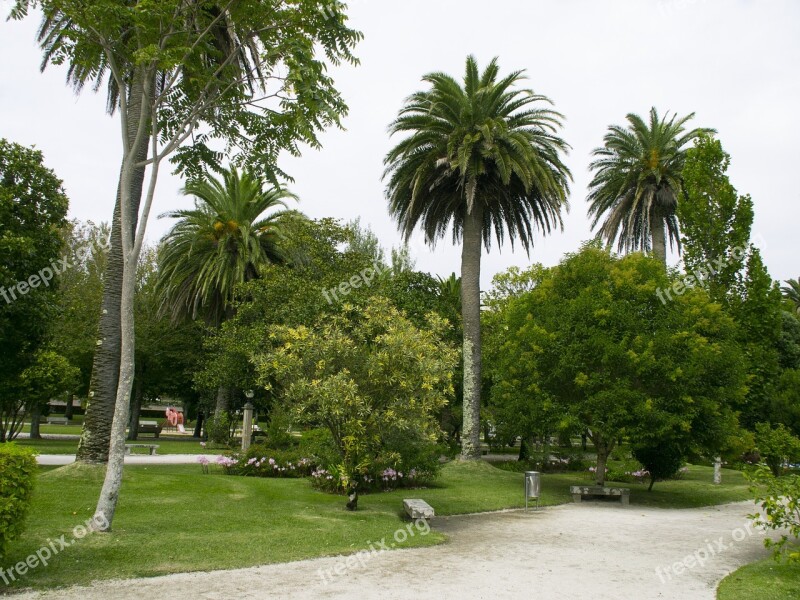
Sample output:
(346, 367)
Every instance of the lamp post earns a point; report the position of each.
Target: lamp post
(247, 421)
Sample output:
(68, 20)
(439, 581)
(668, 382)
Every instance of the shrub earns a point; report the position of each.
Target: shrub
(779, 498)
(17, 469)
(661, 461)
(260, 461)
(218, 429)
(777, 446)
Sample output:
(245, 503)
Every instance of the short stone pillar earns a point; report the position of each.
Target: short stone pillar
(717, 470)
(247, 426)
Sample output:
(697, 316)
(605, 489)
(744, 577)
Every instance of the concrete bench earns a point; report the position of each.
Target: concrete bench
(57, 420)
(418, 509)
(150, 427)
(152, 447)
(593, 491)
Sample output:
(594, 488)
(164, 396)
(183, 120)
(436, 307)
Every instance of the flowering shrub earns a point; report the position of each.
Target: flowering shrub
(385, 479)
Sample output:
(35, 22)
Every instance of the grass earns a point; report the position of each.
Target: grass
(175, 519)
(166, 445)
(765, 580)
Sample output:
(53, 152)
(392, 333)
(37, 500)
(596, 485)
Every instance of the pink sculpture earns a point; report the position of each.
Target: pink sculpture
(175, 419)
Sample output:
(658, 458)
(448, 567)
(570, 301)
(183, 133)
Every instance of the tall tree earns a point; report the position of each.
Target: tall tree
(229, 46)
(715, 220)
(182, 95)
(637, 183)
(485, 158)
(232, 234)
(33, 208)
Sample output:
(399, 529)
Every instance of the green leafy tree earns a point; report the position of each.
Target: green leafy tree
(715, 220)
(50, 375)
(485, 158)
(777, 446)
(593, 348)
(33, 207)
(637, 182)
(180, 93)
(779, 499)
(370, 377)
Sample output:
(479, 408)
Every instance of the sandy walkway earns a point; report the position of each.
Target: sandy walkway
(572, 552)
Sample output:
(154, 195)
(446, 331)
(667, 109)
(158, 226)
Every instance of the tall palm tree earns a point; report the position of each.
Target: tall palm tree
(232, 234)
(791, 291)
(484, 158)
(637, 182)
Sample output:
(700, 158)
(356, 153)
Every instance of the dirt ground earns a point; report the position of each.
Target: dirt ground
(591, 551)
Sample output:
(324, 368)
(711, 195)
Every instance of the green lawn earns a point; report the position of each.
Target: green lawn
(765, 580)
(166, 445)
(175, 519)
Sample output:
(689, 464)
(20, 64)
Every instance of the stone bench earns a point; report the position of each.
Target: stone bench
(592, 491)
(418, 509)
(57, 420)
(150, 427)
(152, 447)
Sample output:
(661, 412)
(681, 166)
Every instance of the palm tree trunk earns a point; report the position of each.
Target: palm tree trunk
(471, 316)
(657, 230)
(96, 433)
(224, 395)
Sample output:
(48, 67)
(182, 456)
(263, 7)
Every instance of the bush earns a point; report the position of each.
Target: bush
(261, 461)
(779, 498)
(17, 469)
(218, 429)
(777, 446)
(661, 461)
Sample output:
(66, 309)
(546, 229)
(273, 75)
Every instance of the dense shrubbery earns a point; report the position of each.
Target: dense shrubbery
(779, 499)
(776, 446)
(17, 469)
(261, 461)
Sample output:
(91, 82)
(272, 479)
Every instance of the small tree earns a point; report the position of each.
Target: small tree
(777, 446)
(49, 376)
(779, 498)
(661, 461)
(370, 377)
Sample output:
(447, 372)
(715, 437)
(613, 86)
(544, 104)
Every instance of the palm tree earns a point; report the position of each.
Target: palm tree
(485, 158)
(226, 240)
(637, 183)
(791, 291)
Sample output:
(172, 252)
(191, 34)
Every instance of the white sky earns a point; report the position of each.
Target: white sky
(733, 62)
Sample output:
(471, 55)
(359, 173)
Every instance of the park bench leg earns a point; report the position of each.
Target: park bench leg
(576, 498)
(626, 500)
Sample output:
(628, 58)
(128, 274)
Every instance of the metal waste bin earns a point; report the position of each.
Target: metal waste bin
(533, 487)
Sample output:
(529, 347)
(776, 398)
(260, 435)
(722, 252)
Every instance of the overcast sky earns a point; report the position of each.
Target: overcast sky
(734, 63)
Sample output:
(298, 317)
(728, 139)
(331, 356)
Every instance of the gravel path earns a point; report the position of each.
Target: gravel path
(133, 459)
(591, 551)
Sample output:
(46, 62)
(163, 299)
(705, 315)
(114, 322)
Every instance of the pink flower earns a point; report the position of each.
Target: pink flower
(203, 460)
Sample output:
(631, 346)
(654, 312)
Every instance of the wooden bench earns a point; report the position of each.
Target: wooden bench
(152, 447)
(57, 421)
(418, 509)
(593, 491)
(150, 427)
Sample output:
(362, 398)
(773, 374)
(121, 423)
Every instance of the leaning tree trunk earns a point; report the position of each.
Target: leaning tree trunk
(471, 316)
(96, 433)
(603, 449)
(658, 231)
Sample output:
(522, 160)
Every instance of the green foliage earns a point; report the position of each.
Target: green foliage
(219, 428)
(637, 181)
(777, 446)
(779, 498)
(262, 461)
(791, 292)
(715, 221)
(591, 347)
(227, 239)
(17, 470)
(371, 378)
(482, 143)
(33, 207)
(661, 462)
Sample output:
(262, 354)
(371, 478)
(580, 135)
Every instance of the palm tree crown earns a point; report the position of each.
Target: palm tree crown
(225, 240)
(637, 182)
(481, 143)
(791, 291)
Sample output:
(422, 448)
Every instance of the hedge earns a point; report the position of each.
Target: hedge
(17, 470)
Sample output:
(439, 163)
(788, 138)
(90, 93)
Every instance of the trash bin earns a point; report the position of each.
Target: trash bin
(533, 487)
